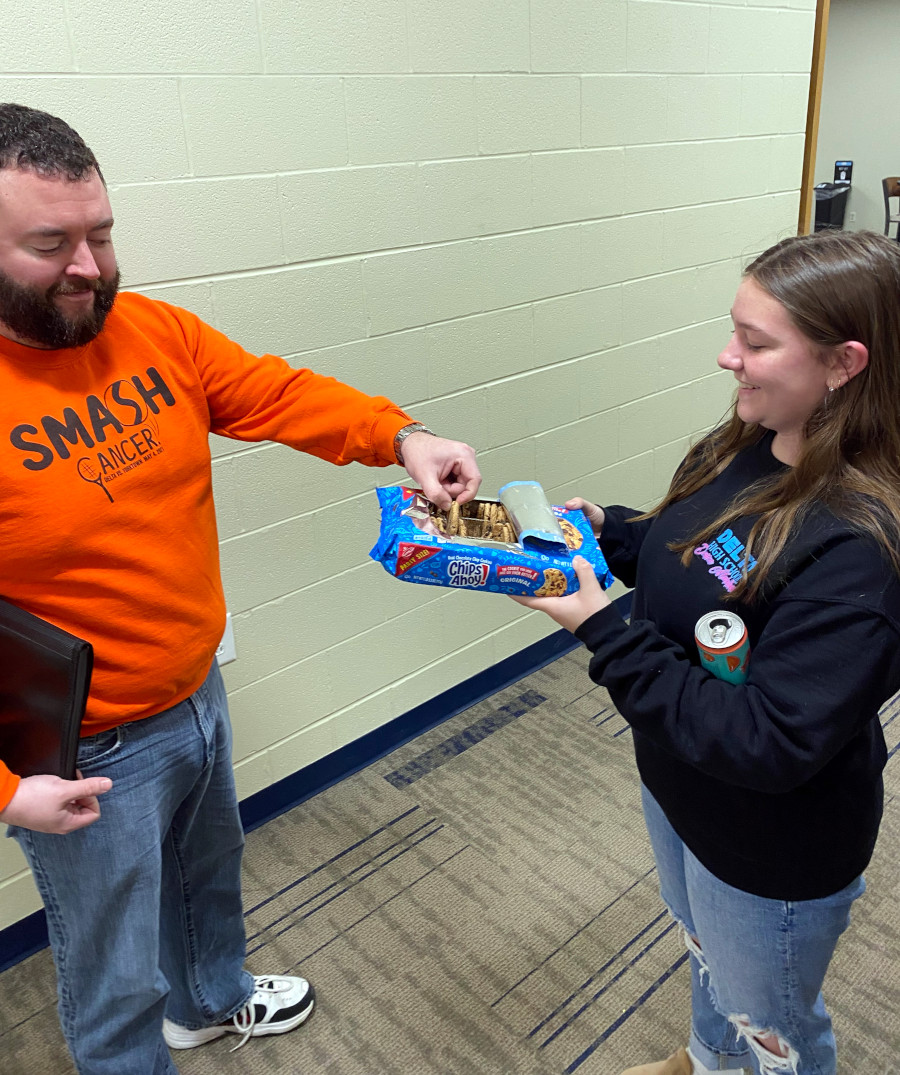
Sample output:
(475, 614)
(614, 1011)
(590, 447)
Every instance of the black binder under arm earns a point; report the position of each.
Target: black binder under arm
(45, 675)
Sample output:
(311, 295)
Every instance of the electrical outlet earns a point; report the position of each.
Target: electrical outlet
(226, 652)
(852, 218)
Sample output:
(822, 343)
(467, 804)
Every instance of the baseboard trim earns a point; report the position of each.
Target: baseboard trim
(29, 934)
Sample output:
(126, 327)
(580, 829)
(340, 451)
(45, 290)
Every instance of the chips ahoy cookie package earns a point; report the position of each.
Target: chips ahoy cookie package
(516, 544)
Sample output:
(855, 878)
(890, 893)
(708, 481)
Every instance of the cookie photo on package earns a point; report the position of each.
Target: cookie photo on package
(515, 544)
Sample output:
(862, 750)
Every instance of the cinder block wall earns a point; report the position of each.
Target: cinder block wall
(522, 220)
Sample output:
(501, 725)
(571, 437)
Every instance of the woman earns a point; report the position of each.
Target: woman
(763, 799)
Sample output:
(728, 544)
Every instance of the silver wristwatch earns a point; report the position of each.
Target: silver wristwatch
(401, 436)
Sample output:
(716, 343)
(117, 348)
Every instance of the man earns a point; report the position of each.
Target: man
(107, 528)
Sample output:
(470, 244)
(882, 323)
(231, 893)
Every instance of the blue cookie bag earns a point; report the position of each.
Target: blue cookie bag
(515, 544)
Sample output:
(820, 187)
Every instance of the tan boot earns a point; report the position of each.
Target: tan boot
(678, 1064)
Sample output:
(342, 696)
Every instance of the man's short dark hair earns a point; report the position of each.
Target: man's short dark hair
(36, 140)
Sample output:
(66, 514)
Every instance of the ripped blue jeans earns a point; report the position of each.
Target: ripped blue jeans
(757, 965)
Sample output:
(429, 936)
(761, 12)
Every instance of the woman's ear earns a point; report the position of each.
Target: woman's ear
(849, 359)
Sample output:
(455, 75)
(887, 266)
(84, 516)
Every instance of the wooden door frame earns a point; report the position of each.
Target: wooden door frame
(807, 197)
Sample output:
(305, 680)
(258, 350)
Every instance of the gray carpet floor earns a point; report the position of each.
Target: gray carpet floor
(483, 900)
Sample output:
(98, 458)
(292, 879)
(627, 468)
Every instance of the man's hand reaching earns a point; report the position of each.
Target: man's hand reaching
(445, 469)
(49, 804)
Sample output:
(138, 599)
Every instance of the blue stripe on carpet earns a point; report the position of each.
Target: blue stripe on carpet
(454, 746)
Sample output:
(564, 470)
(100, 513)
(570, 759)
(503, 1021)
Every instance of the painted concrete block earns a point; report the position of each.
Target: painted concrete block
(24, 49)
(578, 324)
(275, 483)
(395, 366)
(520, 634)
(530, 404)
(658, 304)
(621, 248)
(663, 176)
(169, 37)
(578, 35)
(264, 565)
(711, 400)
(580, 184)
(690, 353)
(301, 624)
(628, 482)
(795, 40)
(254, 773)
(417, 287)
(744, 39)
(618, 110)
(668, 37)
(133, 125)
(786, 162)
(653, 420)
(205, 223)
(522, 113)
(667, 458)
(784, 210)
(732, 168)
(794, 103)
(479, 349)
(515, 462)
(20, 899)
(761, 104)
(276, 708)
(292, 310)
(227, 500)
(349, 211)
(194, 297)
(714, 289)
(700, 234)
(405, 119)
(702, 106)
(465, 198)
(264, 124)
(469, 36)
(617, 376)
(529, 265)
(461, 417)
(578, 448)
(279, 482)
(355, 35)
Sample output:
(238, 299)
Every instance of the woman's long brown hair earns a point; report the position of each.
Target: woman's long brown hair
(836, 287)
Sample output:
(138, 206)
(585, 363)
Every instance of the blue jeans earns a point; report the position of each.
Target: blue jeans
(144, 906)
(758, 965)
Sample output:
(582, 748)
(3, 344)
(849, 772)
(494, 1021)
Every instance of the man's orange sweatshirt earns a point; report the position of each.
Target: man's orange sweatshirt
(107, 524)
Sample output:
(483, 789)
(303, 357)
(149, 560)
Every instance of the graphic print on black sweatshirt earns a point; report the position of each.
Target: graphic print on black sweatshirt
(119, 431)
(726, 556)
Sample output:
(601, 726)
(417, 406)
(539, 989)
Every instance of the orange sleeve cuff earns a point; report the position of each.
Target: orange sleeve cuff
(9, 785)
(387, 425)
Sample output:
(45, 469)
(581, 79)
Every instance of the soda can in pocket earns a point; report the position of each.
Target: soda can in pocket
(723, 644)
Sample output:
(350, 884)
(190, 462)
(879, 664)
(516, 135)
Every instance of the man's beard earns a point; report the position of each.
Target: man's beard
(34, 316)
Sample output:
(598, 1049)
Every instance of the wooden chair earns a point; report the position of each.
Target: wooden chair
(891, 187)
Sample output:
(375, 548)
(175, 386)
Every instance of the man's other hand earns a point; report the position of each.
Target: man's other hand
(445, 469)
(49, 804)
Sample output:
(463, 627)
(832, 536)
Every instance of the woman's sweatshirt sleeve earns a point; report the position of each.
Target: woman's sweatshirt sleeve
(620, 541)
(810, 688)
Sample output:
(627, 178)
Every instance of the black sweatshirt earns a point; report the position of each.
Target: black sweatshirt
(775, 785)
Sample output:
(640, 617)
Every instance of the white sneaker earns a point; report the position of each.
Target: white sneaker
(278, 1004)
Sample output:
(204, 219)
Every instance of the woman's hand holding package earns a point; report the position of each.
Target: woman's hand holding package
(572, 610)
(595, 514)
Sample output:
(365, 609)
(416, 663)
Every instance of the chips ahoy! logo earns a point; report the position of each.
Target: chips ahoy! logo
(467, 573)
